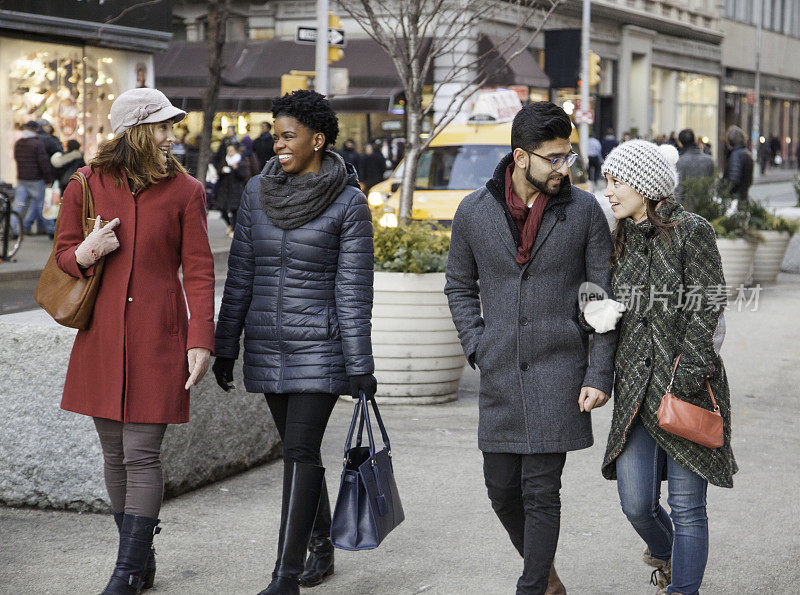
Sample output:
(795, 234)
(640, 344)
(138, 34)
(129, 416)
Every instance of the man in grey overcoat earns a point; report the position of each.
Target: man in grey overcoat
(520, 250)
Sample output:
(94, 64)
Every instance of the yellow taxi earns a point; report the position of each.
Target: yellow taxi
(458, 161)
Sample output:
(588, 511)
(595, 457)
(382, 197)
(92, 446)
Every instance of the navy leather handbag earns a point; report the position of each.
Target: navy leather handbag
(368, 506)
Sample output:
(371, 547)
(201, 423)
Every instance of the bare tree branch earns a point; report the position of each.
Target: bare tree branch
(422, 35)
(126, 11)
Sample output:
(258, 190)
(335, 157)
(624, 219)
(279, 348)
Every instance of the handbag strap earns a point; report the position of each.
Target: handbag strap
(708, 386)
(349, 440)
(87, 202)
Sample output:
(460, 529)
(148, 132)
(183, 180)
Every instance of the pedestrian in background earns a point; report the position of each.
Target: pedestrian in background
(233, 174)
(739, 167)
(595, 155)
(609, 142)
(51, 142)
(350, 154)
(262, 146)
(657, 244)
(520, 250)
(67, 163)
(372, 167)
(249, 157)
(300, 284)
(775, 151)
(131, 370)
(764, 156)
(34, 174)
(692, 164)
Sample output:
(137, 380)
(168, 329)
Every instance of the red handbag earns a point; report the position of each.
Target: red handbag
(690, 421)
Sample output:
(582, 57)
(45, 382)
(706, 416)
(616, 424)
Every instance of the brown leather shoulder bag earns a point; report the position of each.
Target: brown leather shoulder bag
(689, 421)
(70, 300)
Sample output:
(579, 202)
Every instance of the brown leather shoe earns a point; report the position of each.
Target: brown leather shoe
(554, 584)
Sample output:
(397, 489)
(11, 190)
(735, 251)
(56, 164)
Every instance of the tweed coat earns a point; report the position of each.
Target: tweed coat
(519, 323)
(654, 330)
(303, 297)
(130, 364)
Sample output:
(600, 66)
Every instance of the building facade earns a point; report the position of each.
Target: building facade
(780, 72)
(62, 61)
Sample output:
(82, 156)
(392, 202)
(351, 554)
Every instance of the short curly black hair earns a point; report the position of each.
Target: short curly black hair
(310, 109)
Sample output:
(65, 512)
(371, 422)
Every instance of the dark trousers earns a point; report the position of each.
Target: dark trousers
(525, 495)
(594, 168)
(301, 420)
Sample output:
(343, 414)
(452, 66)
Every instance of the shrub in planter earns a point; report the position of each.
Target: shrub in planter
(418, 357)
(413, 248)
(775, 232)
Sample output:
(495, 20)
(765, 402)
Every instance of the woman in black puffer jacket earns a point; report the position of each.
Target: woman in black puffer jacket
(300, 284)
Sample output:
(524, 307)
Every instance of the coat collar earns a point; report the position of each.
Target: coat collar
(668, 210)
(501, 217)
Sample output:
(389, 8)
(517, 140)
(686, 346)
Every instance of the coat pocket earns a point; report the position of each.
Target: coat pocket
(333, 321)
(172, 313)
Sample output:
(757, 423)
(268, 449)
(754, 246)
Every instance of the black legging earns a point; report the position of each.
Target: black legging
(301, 420)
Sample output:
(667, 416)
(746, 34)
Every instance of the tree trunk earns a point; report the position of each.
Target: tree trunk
(411, 158)
(218, 11)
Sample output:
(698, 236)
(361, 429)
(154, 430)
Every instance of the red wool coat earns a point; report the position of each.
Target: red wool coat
(130, 364)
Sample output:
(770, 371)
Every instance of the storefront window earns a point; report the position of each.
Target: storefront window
(72, 87)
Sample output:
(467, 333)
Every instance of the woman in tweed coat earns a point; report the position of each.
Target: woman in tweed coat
(667, 271)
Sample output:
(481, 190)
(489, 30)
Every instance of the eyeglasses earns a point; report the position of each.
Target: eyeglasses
(558, 162)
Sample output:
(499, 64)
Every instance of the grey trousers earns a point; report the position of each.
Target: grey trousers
(132, 465)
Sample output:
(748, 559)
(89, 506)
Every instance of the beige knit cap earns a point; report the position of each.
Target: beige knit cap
(142, 106)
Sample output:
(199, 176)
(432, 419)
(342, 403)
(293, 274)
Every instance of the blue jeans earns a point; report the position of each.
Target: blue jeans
(639, 472)
(30, 196)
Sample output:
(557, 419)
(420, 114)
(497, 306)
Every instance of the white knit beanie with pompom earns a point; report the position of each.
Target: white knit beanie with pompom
(644, 166)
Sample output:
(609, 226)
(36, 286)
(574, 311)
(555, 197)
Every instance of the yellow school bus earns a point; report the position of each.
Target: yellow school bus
(458, 161)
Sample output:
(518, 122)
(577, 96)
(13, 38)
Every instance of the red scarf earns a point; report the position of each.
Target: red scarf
(527, 220)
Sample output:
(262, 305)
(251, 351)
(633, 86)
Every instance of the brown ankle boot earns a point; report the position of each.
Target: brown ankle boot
(554, 584)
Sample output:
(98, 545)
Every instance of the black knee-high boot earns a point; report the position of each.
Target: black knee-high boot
(303, 501)
(135, 546)
(319, 564)
(150, 571)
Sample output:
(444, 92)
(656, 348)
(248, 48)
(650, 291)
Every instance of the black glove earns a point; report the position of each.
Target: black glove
(364, 382)
(223, 372)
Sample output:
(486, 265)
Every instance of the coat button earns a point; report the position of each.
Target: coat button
(130, 299)
(523, 321)
(524, 366)
(645, 321)
(648, 362)
(526, 276)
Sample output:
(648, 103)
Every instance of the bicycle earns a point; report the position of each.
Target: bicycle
(10, 224)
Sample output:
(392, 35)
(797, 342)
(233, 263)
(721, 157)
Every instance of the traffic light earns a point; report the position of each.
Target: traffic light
(334, 53)
(293, 82)
(594, 69)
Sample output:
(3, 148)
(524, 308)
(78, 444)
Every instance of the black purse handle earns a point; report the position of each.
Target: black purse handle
(361, 414)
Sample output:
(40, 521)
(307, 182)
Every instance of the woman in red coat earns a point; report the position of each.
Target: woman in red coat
(131, 370)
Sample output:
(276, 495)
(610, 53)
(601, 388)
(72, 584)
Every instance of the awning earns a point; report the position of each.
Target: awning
(252, 72)
(522, 70)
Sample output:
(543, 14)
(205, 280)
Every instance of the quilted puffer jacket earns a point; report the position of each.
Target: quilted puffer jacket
(303, 297)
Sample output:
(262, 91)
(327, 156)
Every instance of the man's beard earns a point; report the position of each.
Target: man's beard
(540, 185)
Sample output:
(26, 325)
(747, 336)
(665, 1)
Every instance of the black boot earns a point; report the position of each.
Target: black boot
(319, 563)
(301, 510)
(150, 572)
(135, 546)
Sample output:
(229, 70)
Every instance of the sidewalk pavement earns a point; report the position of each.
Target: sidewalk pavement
(221, 539)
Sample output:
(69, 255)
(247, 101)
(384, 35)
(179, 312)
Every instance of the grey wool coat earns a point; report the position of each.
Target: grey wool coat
(519, 323)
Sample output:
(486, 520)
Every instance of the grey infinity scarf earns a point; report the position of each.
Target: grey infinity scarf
(291, 201)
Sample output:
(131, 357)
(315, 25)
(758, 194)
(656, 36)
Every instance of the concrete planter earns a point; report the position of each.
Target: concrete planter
(418, 357)
(769, 256)
(737, 260)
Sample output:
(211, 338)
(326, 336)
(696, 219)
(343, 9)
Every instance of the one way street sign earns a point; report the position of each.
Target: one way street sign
(309, 35)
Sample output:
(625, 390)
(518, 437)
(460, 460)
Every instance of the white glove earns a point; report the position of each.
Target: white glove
(98, 243)
(603, 315)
